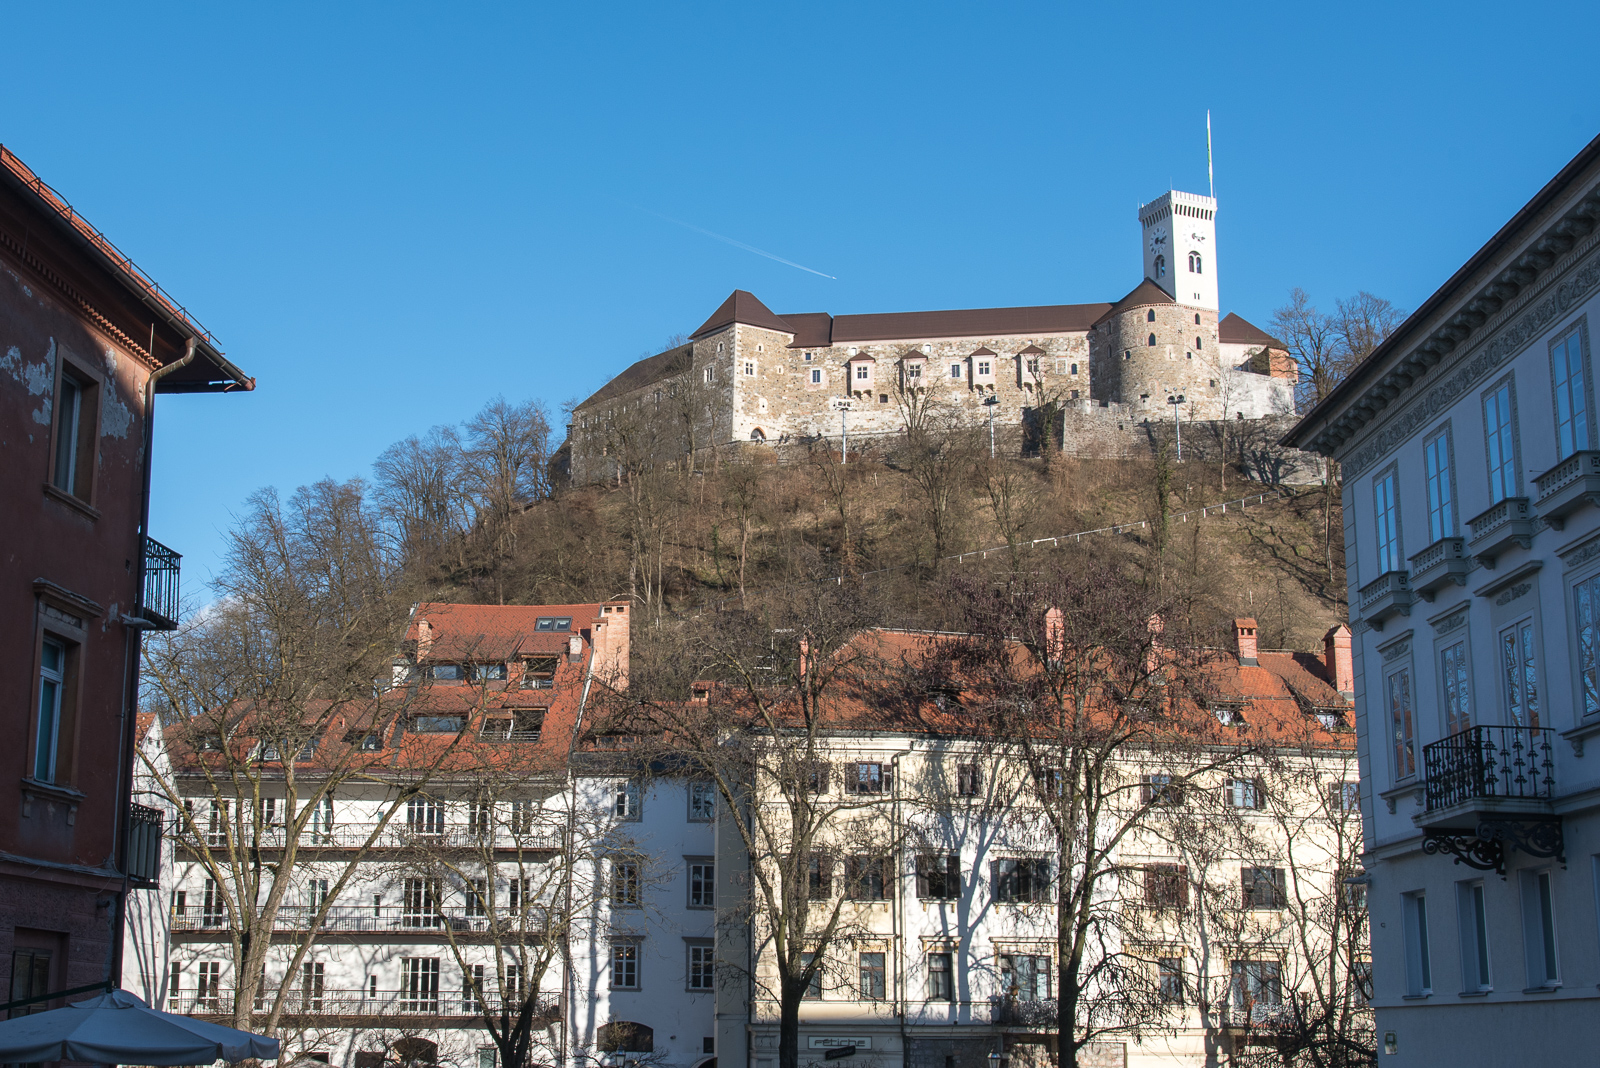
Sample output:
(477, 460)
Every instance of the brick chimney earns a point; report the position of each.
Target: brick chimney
(700, 692)
(610, 636)
(1336, 658)
(424, 638)
(1055, 643)
(1244, 637)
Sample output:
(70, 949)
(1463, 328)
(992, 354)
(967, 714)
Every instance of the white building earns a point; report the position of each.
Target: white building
(1468, 442)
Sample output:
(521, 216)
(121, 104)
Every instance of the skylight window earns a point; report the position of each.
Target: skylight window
(553, 623)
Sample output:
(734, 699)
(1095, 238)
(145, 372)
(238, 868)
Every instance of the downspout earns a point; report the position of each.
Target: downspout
(572, 815)
(898, 927)
(132, 649)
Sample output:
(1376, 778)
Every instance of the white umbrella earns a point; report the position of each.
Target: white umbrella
(118, 1028)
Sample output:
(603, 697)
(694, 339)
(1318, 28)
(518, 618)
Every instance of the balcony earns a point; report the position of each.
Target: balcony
(144, 845)
(359, 1005)
(1441, 564)
(1489, 789)
(1572, 484)
(1019, 1012)
(1506, 524)
(159, 601)
(537, 838)
(411, 921)
(1385, 597)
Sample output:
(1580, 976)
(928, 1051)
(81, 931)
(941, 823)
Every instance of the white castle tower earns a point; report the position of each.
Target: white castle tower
(1180, 247)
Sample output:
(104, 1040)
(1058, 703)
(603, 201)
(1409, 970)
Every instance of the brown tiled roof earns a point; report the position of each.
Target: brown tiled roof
(982, 350)
(742, 307)
(1235, 330)
(812, 330)
(1031, 350)
(497, 632)
(1146, 292)
(966, 322)
(645, 371)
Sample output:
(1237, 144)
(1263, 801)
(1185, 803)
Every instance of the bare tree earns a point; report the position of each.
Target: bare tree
(1014, 492)
(1069, 676)
(936, 454)
(1363, 322)
(417, 488)
(506, 463)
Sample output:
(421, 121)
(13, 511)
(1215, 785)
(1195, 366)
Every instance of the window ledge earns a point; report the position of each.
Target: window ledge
(1541, 989)
(50, 792)
(1474, 993)
(1415, 997)
(71, 501)
(1576, 736)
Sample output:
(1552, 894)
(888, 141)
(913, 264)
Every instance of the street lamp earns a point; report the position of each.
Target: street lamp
(989, 402)
(843, 404)
(1175, 399)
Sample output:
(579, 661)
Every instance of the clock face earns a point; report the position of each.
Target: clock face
(1197, 238)
(1158, 240)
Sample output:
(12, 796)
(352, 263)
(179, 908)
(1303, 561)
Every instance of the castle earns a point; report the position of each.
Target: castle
(748, 375)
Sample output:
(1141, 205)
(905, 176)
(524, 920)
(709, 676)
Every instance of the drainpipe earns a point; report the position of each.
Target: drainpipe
(898, 928)
(131, 646)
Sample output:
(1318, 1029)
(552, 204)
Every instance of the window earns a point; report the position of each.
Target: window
(862, 372)
(487, 1056)
(1586, 609)
(711, 374)
(1419, 968)
(867, 877)
(874, 976)
(625, 966)
(52, 689)
(1074, 368)
(1196, 263)
(1033, 365)
(955, 370)
(436, 724)
(1455, 688)
(1539, 929)
(1025, 976)
(814, 985)
(914, 371)
(553, 623)
(1441, 496)
(938, 876)
(624, 884)
(625, 800)
(522, 817)
(702, 970)
(1245, 793)
(702, 801)
(871, 778)
(969, 780)
(312, 975)
(1256, 989)
(1159, 790)
(1170, 976)
(449, 672)
(1499, 429)
(520, 893)
(1572, 394)
(819, 876)
(809, 356)
(1197, 340)
(539, 673)
(421, 990)
(1400, 723)
(1472, 918)
(749, 368)
(424, 816)
(941, 985)
(1048, 784)
(74, 466)
(1263, 888)
(1166, 886)
(1151, 341)
(1161, 267)
(1150, 316)
(526, 725)
(213, 904)
(1021, 879)
(490, 672)
(421, 903)
(1521, 674)
(816, 376)
(477, 898)
(1387, 513)
(1344, 796)
(30, 978)
(702, 883)
(208, 990)
(316, 895)
(984, 368)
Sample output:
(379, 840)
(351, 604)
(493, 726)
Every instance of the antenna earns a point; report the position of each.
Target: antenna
(1211, 176)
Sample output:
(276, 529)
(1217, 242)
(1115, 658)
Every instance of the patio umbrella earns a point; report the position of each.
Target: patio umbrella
(118, 1028)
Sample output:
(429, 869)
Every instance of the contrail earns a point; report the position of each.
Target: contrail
(731, 241)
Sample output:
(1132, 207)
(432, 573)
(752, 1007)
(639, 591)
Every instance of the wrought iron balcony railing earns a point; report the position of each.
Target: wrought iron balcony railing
(144, 845)
(219, 1001)
(1480, 763)
(161, 589)
(397, 835)
(371, 919)
(1019, 1012)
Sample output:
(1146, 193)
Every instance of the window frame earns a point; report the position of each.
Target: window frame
(1418, 951)
(702, 813)
(1029, 881)
(1524, 674)
(1540, 939)
(1386, 519)
(879, 977)
(941, 868)
(704, 970)
(627, 800)
(1402, 736)
(941, 962)
(1586, 643)
(1439, 475)
(707, 882)
(1472, 923)
(1040, 966)
(625, 889)
(1502, 435)
(1578, 331)
(627, 953)
(1251, 882)
(85, 439)
(1455, 686)
(969, 780)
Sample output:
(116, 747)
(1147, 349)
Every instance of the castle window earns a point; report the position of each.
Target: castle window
(1213, 383)
(1196, 322)
(816, 376)
(711, 374)
(1188, 355)
(1033, 365)
(983, 367)
(862, 374)
(749, 368)
(1150, 316)
(1152, 341)
(758, 435)
(808, 355)
(1195, 263)
(1197, 341)
(1074, 394)
(1074, 368)
(1127, 354)
(913, 370)
(883, 398)
(1161, 266)
(955, 370)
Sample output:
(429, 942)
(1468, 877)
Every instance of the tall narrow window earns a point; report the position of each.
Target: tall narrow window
(421, 990)
(1500, 431)
(1474, 924)
(1441, 502)
(702, 966)
(1419, 968)
(940, 975)
(702, 883)
(968, 781)
(1402, 725)
(1387, 512)
(312, 975)
(52, 686)
(1572, 399)
(1539, 929)
(625, 966)
(624, 884)
(1456, 688)
(1521, 674)
(625, 803)
(1586, 613)
(702, 801)
(208, 990)
(1161, 266)
(1171, 979)
(814, 985)
(1196, 263)
(74, 464)
(874, 976)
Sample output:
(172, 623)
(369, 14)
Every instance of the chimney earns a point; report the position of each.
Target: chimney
(700, 692)
(424, 638)
(1244, 636)
(610, 637)
(575, 648)
(1156, 626)
(1055, 643)
(1336, 658)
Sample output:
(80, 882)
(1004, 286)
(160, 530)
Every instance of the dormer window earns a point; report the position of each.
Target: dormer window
(540, 673)
(449, 672)
(862, 373)
(984, 367)
(914, 370)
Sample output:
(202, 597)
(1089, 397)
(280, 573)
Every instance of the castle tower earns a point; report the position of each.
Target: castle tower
(1180, 247)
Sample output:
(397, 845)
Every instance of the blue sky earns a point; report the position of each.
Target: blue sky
(389, 213)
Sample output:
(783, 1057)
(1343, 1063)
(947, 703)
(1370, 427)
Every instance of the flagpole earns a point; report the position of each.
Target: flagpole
(1211, 178)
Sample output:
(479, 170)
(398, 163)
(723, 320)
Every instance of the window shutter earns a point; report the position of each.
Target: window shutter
(1261, 793)
(952, 875)
(1146, 790)
(888, 778)
(824, 773)
(1183, 886)
(924, 862)
(997, 890)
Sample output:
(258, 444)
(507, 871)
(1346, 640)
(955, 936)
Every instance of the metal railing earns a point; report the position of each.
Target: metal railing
(161, 587)
(219, 1001)
(397, 835)
(372, 919)
(1018, 1012)
(1515, 763)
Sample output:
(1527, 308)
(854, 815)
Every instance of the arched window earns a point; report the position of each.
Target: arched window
(1195, 264)
(1152, 341)
(1161, 266)
(758, 434)
(1196, 318)
(1197, 341)
(1150, 316)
